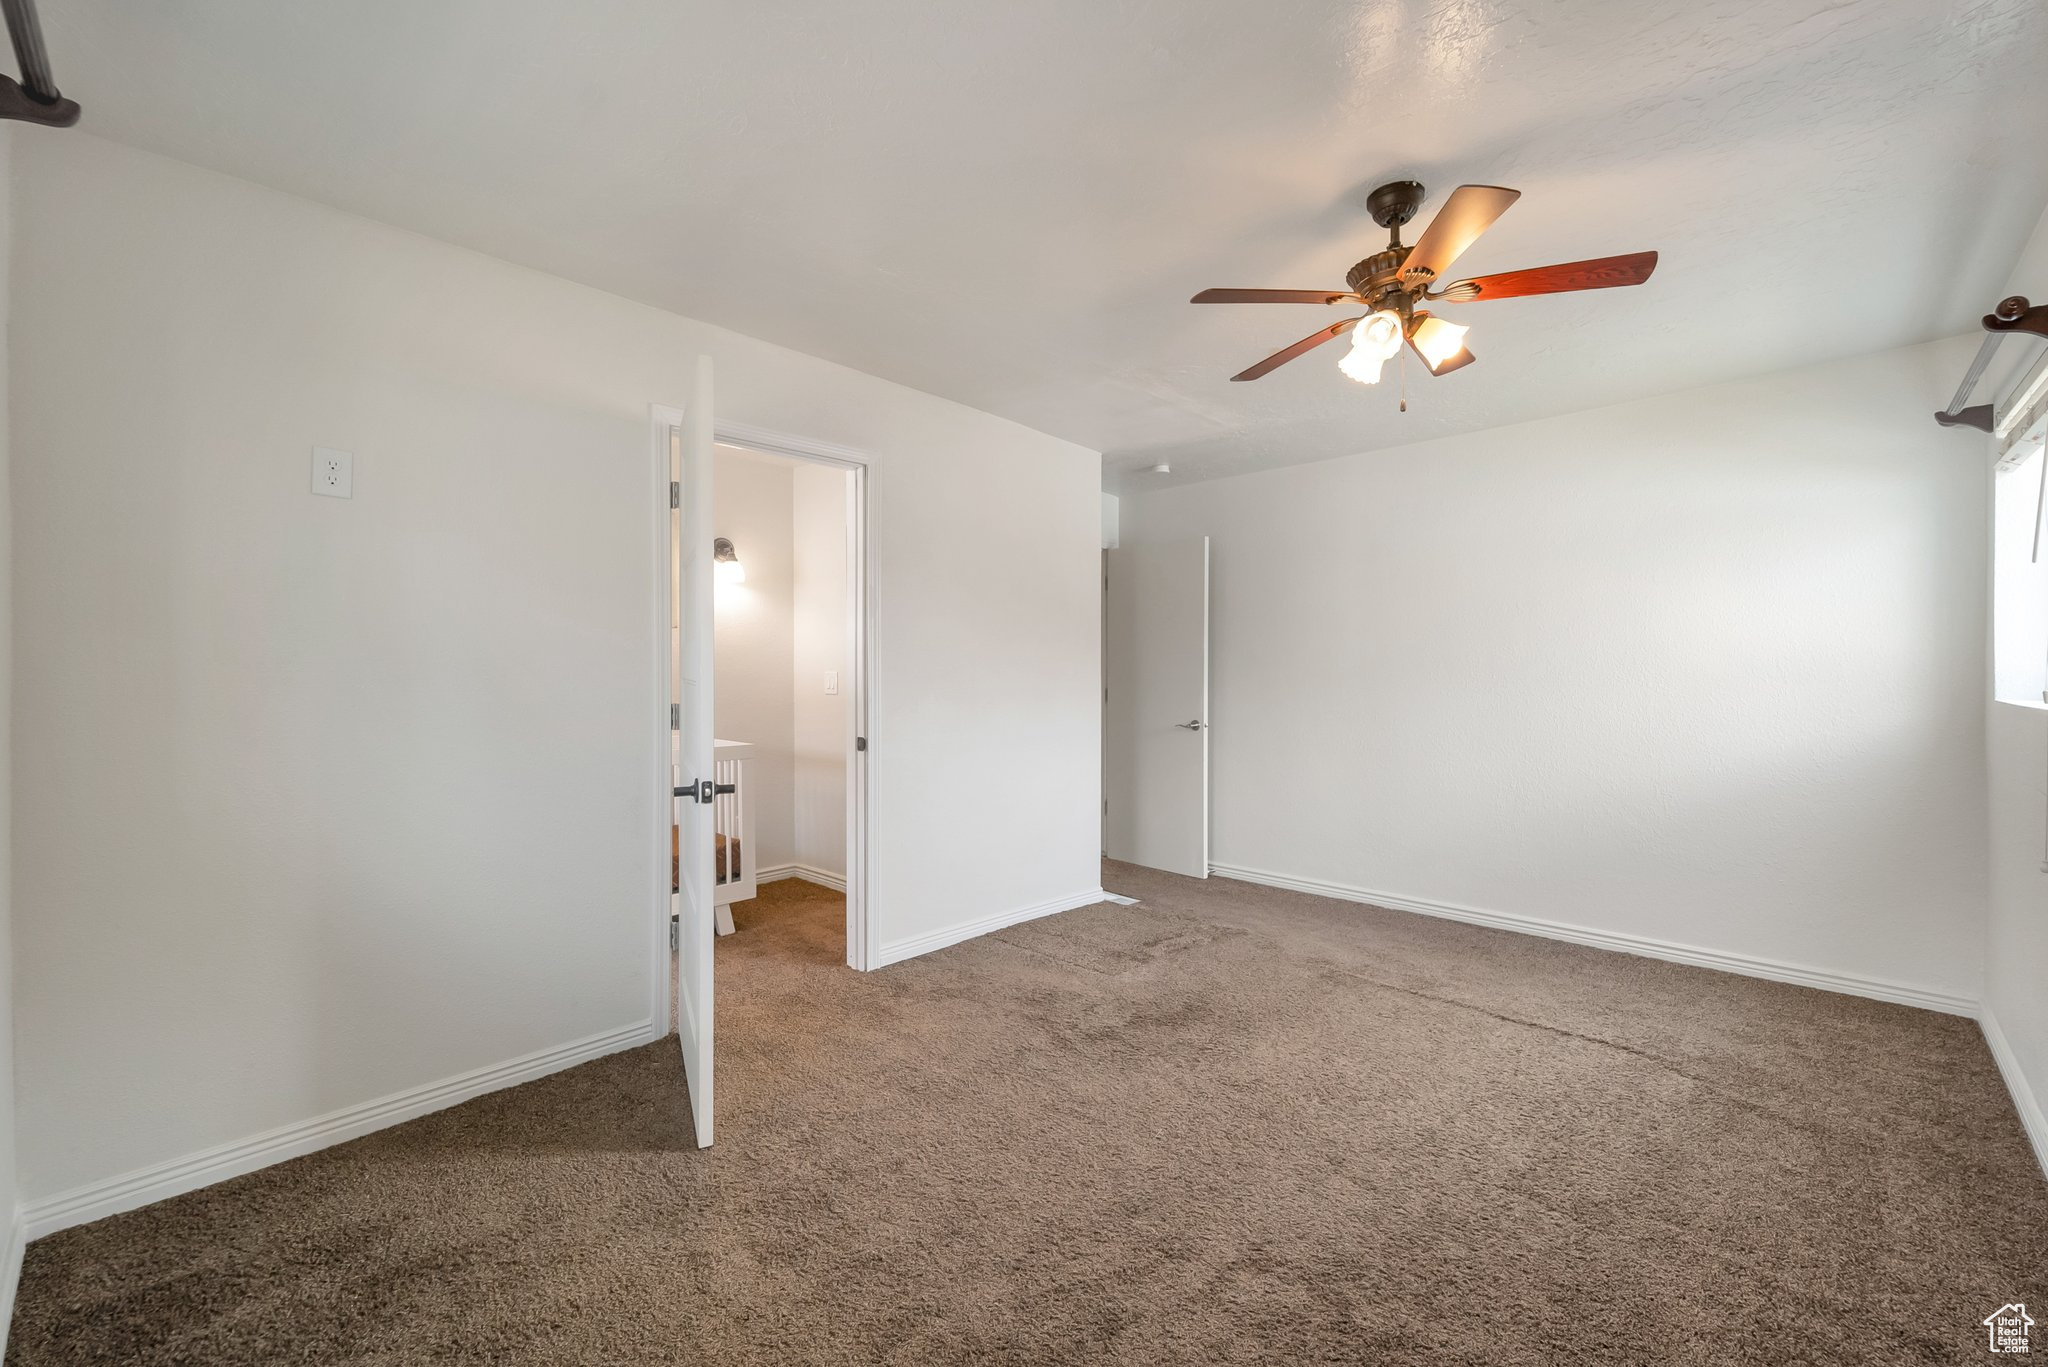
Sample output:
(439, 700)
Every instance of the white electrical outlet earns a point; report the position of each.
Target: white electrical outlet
(831, 681)
(334, 473)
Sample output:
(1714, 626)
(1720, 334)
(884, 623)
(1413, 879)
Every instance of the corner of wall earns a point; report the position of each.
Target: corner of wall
(2033, 1119)
(10, 1205)
(13, 1244)
(2015, 1014)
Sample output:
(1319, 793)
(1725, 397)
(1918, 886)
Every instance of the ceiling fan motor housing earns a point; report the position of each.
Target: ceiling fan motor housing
(1377, 280)
(1394, 203)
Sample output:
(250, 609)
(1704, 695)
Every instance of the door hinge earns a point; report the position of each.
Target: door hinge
(860, 744)
(675, 494)
(675, 716)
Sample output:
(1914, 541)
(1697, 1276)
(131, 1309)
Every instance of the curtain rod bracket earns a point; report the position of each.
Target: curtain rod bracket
(2013, 314)
(16, 103)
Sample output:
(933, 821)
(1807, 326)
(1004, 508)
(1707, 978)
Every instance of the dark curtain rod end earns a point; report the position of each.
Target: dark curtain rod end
(1977, 416)
(16, 103)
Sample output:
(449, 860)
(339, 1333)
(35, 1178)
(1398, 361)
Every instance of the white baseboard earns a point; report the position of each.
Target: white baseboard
(900, 950)
(1905, 994)
(10, 1271)
(2024, 1100)
(217, 1164)
(810, 873)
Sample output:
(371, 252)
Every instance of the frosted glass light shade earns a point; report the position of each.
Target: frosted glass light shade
(1373, 341)
(1438, 341)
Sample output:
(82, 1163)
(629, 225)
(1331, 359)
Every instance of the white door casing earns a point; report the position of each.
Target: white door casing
(1156, 715)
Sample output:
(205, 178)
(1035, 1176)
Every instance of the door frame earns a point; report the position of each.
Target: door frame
(863, 939)
(1129, 846)
(661, 1000)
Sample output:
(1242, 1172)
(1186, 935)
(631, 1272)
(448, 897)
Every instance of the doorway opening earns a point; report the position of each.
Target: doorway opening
(789, 688)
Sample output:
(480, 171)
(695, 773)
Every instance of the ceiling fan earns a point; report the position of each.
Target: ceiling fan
(1394, 284)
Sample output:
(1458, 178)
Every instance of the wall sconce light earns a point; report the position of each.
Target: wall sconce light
(725, 563)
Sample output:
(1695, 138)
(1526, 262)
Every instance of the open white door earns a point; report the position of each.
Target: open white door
(1155, 731)
(695, 765)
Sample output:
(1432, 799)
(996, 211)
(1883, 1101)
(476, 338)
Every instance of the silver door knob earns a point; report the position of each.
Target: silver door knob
(1195, 725)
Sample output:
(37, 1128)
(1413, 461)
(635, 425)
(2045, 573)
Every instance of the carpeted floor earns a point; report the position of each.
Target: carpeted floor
(1230, 1125)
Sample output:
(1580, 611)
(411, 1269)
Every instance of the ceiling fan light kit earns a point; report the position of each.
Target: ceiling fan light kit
(1396, 282)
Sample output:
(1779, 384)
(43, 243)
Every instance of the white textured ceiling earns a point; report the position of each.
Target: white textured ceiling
(1008, 202)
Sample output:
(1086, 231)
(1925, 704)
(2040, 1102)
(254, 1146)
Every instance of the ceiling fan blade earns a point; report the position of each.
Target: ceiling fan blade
(1602, 273)
(1463, 358)
(1306, 344)
(1270, 297)
(1469, 211)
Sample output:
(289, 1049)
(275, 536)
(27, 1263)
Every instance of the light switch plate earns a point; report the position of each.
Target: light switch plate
(334, 473)
(831, 682)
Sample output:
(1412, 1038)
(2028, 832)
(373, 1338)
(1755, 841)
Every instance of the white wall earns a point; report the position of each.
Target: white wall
(751, 695)
(336, 799)
(1706, 668)
(2019, 586)
(821, 634)
(2016, 958)
(11, 1233)
(2016, 952)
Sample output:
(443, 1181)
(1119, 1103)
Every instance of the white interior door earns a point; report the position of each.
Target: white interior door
(695, 762)
(1156, 713)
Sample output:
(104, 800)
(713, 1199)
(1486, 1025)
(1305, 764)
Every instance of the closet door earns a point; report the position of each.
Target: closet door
(1155, 722)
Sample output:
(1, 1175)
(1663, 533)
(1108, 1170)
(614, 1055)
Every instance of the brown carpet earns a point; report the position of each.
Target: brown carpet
(1230, 1125)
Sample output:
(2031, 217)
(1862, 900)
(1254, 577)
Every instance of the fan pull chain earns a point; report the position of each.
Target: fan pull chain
(1404, 379)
